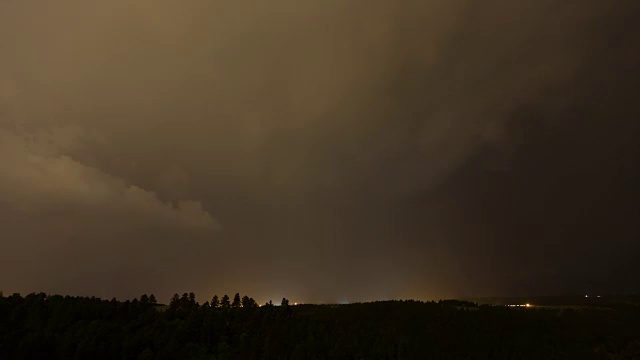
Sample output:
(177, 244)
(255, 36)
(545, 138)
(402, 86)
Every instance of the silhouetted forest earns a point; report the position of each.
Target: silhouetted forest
(41, 326)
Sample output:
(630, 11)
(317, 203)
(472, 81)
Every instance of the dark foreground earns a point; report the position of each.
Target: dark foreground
(55, 327)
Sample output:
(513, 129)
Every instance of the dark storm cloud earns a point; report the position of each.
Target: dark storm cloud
(326, 151)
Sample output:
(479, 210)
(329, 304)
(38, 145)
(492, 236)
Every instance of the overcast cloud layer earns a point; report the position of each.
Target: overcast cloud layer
(323, 151)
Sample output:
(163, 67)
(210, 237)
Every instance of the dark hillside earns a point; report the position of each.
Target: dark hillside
(39, 326)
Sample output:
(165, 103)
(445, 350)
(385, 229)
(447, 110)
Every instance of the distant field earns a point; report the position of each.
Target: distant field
(561, 302)
(162, 308)
(572, 307)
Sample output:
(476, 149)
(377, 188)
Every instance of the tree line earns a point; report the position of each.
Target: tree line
(41, 326)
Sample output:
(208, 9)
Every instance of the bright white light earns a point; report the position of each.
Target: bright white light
(586, 296)
(528, 305)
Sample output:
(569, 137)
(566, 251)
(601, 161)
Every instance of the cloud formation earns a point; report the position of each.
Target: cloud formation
(39, 176)
(363, 149)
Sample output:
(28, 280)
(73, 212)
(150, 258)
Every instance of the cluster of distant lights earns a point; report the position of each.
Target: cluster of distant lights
(295, 303)
(529, 305)
(518, 305)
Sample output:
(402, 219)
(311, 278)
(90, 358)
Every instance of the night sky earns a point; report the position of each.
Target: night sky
(326, 151)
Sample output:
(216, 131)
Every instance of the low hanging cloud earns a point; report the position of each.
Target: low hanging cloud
(72, 228)
(38, 176)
